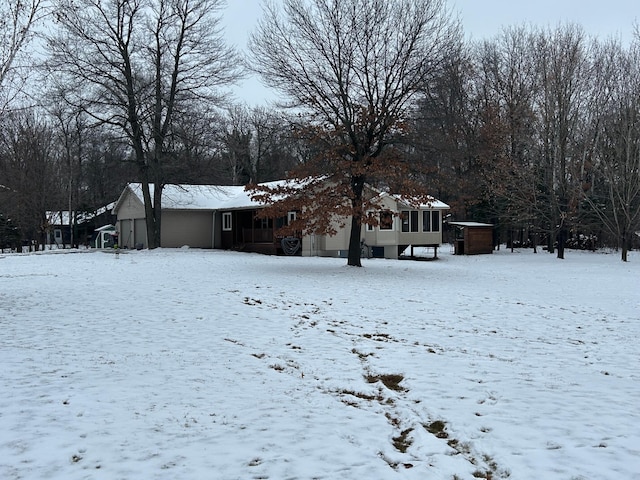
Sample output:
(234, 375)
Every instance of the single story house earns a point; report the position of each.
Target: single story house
(224, 217)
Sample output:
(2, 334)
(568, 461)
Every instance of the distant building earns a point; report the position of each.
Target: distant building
(58, 226)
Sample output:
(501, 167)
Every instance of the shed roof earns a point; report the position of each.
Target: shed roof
(470, 224)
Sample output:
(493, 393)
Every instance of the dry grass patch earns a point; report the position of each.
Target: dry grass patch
(391, 381)
(402, 442)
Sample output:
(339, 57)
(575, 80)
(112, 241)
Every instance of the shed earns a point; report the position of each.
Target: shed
(472, 238)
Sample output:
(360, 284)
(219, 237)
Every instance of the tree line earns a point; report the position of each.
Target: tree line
(536, 130)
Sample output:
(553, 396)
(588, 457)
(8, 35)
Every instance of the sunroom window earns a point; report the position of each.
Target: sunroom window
(409, 220)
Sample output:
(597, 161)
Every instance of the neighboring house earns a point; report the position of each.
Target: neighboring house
(224, 217)
(58, 226)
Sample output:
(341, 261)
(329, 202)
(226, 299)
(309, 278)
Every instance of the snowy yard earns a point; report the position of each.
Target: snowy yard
(190, 364)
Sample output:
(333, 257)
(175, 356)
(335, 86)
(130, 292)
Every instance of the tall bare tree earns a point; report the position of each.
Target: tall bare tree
(30, 168)
(613, 181)
(353, 67)
(509, 84)
(442, 127)
(256, 144)
(138, 64)
(17, 21)
(563, 68)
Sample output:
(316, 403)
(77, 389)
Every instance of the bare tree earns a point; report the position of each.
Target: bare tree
(563, 68)
(17, 20)
(139, 65)
(613, 181)
(353, 67)
(509, 86)
(256, 144)
(442, 128)
(31, 171)
(236, 138)
(70, 129)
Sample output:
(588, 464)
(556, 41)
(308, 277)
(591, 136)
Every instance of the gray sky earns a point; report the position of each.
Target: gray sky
(480, 19)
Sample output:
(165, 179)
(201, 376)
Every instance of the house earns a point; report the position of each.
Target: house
(472, 238)
(58, 226)
(206, 216)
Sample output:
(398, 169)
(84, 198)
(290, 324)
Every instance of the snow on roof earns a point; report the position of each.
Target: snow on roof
(62, 217)
(201, 197)
(105, 227)
(218, 197)
(471, 224)
(434, 203)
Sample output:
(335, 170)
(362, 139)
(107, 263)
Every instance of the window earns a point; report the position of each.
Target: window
(431, 221)
(426, 221)
(291, 216)
(414, 221)
(404, 218)
(386, 220)
(435, 221)
(409, 220)
(226, 221)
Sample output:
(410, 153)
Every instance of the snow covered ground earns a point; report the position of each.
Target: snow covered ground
(189, 364)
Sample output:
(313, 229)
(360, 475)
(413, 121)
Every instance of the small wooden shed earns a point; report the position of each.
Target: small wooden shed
(472, 238)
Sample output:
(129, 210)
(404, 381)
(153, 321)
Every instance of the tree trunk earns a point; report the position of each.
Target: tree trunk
(157, 215)
(562, 236)
(150, 211)
(625, 245)
(354, 242)
(357, 187)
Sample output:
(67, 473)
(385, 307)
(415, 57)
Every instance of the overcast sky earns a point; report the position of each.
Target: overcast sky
(480, 19)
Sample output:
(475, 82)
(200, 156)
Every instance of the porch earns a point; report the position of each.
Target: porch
(242, 231)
